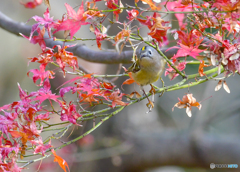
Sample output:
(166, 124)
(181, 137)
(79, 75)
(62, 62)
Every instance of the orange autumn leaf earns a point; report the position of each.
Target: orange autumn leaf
(62, 163)
(15, 134)
(116, 98)
(200, 69)
(122, 34)
(151, 4)
(187, 102)
(94, 12)
(89, 75)
(24, 139)
(129, 96)
(129, 80)
(108, 85)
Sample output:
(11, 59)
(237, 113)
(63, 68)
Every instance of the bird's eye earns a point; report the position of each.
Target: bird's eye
(150, 52)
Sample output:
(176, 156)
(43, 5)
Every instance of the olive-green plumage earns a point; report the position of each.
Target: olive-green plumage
(149, 66)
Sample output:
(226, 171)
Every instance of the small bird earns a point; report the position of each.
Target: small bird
(148, 68)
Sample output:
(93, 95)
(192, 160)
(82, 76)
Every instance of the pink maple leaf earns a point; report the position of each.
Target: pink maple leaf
(46, 21)
(41, 74)
(74, 21)
(7, 122)
(40, 147)
(38, 39)
(186, 51)
(42, 117)
(45, 93)
(22, 93)
(65, 90)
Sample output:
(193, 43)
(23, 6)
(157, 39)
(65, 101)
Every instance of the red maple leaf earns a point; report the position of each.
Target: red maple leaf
(64, 57)
(157, 27)
(191, 39)
(74, 21)
(111, 5)
(99, 37)
(69, 113)
(132, 14)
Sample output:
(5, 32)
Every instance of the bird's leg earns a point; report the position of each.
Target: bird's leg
(163, 87)
(144, 93)
(152, 91)
(150, 104)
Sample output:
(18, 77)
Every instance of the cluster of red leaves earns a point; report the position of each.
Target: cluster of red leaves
(91, 91)
(171, 72)
(112, 5)
(157, 26)
(222, 52)
(24, 129)
(232, 7)
(188, 46)
(21, 118)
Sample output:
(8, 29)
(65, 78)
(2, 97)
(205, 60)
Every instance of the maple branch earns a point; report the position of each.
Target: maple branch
(82, 51)
(74, 140)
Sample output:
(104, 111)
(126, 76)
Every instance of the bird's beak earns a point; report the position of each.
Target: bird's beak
(143, 54)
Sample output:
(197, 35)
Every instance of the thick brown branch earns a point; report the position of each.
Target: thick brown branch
(83, 52)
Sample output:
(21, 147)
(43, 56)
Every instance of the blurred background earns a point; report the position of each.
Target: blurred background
(105, 148)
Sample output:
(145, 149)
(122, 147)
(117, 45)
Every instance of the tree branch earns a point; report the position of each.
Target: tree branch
(82, 51)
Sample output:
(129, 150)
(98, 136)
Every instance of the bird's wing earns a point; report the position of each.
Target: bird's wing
(135, 67)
